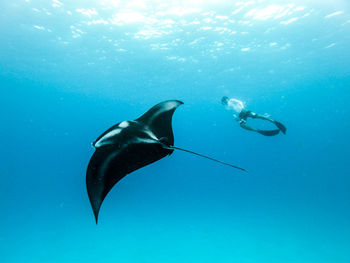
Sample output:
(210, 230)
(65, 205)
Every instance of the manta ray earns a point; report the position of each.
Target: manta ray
(131, 145)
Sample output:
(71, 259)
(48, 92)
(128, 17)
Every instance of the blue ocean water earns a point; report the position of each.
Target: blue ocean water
(71, 69)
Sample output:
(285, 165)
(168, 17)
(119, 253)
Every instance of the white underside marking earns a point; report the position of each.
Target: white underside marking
(107, 136)
(151, 134)
(124, 124)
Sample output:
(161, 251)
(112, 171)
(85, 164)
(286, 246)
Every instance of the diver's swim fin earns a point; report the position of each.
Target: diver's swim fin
(280, 126)
(269, 133)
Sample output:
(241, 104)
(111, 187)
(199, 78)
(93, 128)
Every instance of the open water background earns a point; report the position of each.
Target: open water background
(71, 69)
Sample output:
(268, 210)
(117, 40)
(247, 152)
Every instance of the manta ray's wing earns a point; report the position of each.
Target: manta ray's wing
(110, 164)
(127, 147)
(159, 119)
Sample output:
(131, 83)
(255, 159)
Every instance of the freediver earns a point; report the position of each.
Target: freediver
(244, 114)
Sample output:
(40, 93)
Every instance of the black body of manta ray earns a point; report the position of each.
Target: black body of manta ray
(128, 146)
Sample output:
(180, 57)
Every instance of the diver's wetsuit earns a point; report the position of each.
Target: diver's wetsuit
(245, 114)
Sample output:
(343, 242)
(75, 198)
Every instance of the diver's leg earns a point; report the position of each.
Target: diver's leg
(262, 117)
(269, 132)
(247, 127)
(265, 133)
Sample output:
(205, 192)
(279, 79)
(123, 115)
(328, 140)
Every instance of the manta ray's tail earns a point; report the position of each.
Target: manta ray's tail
(215, 160)
(212, 159)
(165, 144)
